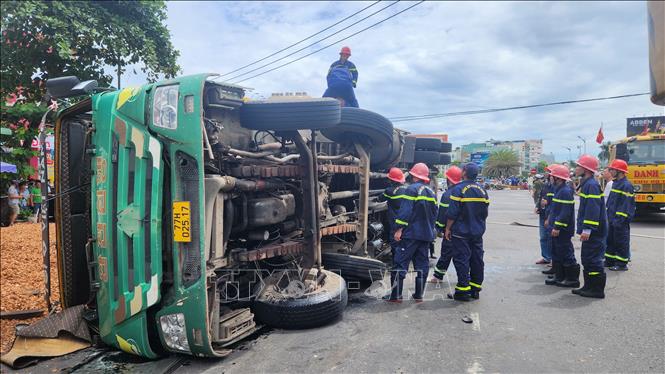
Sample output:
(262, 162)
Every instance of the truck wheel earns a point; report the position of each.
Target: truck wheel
(290, 115)
(354, 267)
(308, 310)
(427, 157)
(446, 147)
(445, 159)
(369, 128)
(428, 144)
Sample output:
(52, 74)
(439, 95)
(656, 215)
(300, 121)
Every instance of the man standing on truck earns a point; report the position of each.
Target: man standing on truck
(416, 217)
(342, 78)
(592, 228)
(465, 226)
(453, 177)
(620, 212)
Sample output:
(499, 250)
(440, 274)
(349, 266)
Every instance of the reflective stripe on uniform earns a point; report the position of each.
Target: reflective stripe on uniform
(400, 222)
(616, 257)
(594, 273)
(440, 224)
(622, 214)
(564, 201)
(623, 192)
(474, 200)
(550, 194)
(476, 285)
(590, 196)
(595, 223)
(560, 224)
(467, 288)
(455, 198)
(439, 271)
(444, 205)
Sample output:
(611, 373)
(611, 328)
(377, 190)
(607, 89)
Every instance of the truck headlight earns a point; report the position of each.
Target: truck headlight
(637, 187)
(165, 107)
(175, 331)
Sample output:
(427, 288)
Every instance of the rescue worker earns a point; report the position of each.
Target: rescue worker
(453, 177)
(620, 212)
(542, 198)
(592, 228)
(416, 217)
(394, 194)
(562, 220)
(465, 226)
(342, 78)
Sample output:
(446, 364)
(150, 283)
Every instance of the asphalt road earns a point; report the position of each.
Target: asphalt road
(519, 324)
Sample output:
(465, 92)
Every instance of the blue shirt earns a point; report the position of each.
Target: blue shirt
(417, 213)
(394, 195)
(621, 203)
(469, 206)
(546, 193)
(348, 66)
(444, 204)
(591, 215)
(562, 211)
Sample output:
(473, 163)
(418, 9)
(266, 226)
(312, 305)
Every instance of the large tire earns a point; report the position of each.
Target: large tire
(354, 267)
(369, 128)
(428, 144)
(427, 157)
(290, 115)
(445, 159)
(318, 308)
(446, 147)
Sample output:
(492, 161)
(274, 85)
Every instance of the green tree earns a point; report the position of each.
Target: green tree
(45, 39)
(541, 166)
(501, 163)
(604, 154)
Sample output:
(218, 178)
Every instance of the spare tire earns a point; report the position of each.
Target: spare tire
(445, 159)
(369, 128)
(314, 309)
(290, 115)
(427, 157)
(428, 144)
(446, 147)
(354, 267)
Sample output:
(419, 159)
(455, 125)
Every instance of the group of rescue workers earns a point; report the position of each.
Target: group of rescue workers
(460, 215)
(603, 226)
(417, 218)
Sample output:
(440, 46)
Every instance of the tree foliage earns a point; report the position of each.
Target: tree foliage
(501, 163)
(541, 166)
(46, 39)
(604, 154)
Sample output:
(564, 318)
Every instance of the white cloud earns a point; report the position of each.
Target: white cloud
(443, 57)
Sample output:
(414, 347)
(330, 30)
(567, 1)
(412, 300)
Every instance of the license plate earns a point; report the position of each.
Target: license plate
(182, 223)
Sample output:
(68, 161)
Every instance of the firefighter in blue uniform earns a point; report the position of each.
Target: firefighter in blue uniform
(620, 212)
(562, 220)
(342, 78)
(453, 177)
(465, 226)
(592, 228)
(394, 194)
(416, 218)
(543, 208)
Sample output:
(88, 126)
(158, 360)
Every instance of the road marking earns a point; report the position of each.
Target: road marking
(528, 225)
(475, 368)
(476, 321)
(648, 236)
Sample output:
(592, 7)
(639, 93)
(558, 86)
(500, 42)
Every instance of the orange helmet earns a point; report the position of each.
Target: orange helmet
(396, 175)
(454, 174)
(420, 171)
(589, 163)
(345, 51)
(620, 165)
(560, 171)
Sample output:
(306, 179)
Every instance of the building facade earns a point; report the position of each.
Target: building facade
(528, 152)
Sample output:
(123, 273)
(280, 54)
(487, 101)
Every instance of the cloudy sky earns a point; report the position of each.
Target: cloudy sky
(443, 57)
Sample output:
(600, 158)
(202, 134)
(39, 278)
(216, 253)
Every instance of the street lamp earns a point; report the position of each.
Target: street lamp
(569, 155)
(584, 141)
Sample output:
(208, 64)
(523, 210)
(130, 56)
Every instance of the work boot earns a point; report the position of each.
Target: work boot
(416, 298)
(418, 295)
(609, 262)
(572, 276)
(460, 296)
(558, 275)
(475, 294)
(397, 284)
(587, 284)
(597, 287)
(619, 266)
(549, 271)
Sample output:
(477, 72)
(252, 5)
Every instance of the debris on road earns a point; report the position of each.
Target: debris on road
(467, 319)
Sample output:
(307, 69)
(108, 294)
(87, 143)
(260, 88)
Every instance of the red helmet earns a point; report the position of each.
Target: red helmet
(396, 175)
(420, 171)
(345, 51)
(560, 171)
(620, 165)
(589, 163)
(454, 174)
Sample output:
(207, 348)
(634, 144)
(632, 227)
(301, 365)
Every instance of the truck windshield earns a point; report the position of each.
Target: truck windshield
(650, 151)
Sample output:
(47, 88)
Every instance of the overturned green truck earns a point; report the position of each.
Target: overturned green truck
(188, 216)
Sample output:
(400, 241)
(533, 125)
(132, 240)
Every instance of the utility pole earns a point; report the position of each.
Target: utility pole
(569, 154)
(583, 141)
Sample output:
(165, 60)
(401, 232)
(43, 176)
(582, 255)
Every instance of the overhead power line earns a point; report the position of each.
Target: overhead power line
(471, 112)
(302, 40)
(331, 44)
(313, 43)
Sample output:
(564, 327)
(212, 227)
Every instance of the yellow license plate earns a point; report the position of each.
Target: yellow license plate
(182, 222)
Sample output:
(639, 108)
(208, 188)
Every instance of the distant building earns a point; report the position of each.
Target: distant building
(529, 152)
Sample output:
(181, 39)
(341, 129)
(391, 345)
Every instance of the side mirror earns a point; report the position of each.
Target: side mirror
(63, 87)
(622, 152)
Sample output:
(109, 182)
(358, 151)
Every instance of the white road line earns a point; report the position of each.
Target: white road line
(476, 321)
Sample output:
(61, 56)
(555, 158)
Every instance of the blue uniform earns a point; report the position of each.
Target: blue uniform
(592, 218)
(446, 245)
(394, 196)
(349, 66)
(562, 218)
(546, 193)
(342, 78)
(416, 216)
(469, 205)
(620, 212)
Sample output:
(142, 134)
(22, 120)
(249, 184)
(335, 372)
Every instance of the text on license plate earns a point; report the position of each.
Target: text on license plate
(182, 223)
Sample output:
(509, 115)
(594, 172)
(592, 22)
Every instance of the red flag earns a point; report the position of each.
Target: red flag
(600, 136)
